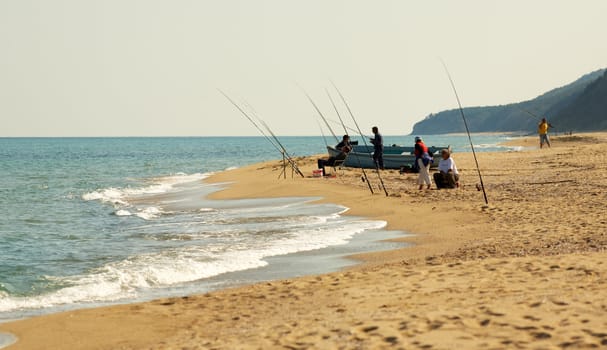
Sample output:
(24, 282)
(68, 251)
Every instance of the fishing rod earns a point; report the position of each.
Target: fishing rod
(535, 116)
(531, 114)
(274, 138)
(361, 135)
(284, 152)
(325, 118)
(278, 141)
(365, 178)
(281, 148)
(461, 110)
(250, 119)
(276, 145)
(341, 121)
(322, 133)
(319, 112)
(347, 128)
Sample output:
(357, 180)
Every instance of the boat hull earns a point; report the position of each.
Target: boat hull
(395, 157)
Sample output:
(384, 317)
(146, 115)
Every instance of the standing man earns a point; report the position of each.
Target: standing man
(378, 149)
(542, 129)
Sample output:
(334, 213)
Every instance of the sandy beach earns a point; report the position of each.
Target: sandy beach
(525, 271)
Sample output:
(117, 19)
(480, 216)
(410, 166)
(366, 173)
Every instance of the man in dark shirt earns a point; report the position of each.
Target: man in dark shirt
(378, 149)
(344, 146)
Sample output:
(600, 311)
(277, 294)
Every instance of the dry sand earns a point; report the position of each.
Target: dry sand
(526, 271)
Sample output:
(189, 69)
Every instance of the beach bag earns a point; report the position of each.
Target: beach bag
(426, 159)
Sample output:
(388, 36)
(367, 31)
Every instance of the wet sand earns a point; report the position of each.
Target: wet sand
(525, 271)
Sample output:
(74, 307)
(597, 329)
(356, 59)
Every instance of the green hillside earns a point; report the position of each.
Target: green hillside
(513, 118)
(588, 112)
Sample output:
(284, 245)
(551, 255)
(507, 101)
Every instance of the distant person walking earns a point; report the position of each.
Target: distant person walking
(378, 149)
(422, 161)
(542, 130)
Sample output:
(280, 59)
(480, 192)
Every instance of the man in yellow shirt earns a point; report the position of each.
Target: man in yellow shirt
(542, 129)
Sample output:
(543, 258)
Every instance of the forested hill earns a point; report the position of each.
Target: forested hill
(578, 106)
(587, 112)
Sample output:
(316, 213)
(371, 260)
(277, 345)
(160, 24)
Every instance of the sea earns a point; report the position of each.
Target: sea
(95, 221)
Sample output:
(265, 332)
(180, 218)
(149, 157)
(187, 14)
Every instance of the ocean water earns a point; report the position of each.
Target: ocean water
(90, 221)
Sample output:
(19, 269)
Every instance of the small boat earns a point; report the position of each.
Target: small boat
(395, 157)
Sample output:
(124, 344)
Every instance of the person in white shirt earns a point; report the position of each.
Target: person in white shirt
(447, 176)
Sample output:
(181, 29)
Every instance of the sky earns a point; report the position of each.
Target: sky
(152, 68)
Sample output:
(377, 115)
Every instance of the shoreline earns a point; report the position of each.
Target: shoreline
(353, 193)
(302, 263)
(7, 339)
(519, 272)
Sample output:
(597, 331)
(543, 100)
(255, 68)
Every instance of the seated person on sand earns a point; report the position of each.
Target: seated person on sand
(448, 176)
(344, 146)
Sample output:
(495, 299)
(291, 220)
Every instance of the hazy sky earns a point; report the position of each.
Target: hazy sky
(151, 68)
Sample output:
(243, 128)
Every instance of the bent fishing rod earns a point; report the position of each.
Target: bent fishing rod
(365, 178)
(251, 120)
(254, 114)
(267, 127)
(461, 110)
(531, 114)
(535, 116)
(320, 113)
(276, 145)
(280, 144)
(341, 121)
(361, 135)
(282, 149)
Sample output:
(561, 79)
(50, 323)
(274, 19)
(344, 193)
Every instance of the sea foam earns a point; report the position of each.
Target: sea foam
(119, 196)
(130, 277)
